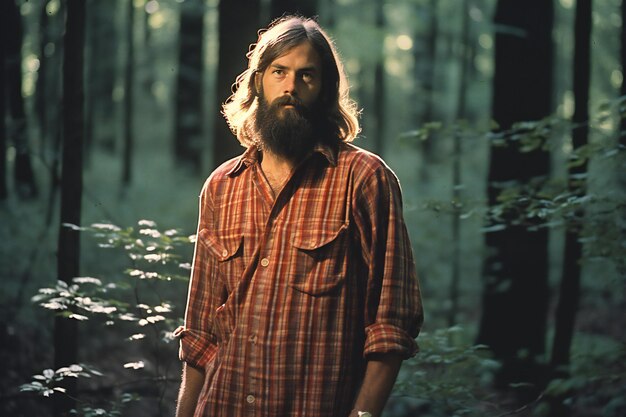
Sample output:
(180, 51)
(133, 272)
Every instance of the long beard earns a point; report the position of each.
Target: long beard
(285, 131)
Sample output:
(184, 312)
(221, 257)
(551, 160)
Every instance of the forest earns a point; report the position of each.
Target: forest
(504, 120)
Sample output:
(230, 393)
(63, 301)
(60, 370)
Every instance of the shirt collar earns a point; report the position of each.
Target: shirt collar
(252, 154)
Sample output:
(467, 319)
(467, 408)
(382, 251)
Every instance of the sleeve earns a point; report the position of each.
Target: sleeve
(198, 341)
(393, 306)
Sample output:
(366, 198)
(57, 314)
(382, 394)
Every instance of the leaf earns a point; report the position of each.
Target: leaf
(134, 365)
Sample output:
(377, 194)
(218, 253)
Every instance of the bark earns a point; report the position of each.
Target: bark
(188, 138)
(456, 172)
(425, 69)
(41, 97)
(65, 334)
(569, 292)
(3, 129)
(237, 31)
(54, 93)
(515, 270)
(24, 176)
(622, 137)
(127, 164)
(307, 8)
(379, 86)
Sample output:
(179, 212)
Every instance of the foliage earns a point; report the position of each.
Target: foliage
(134, 302)
(449, 374)
(596, 378)
(557, 202)
(46, 383)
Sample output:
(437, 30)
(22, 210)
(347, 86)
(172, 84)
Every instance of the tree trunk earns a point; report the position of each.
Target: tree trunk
(188, 138)
(54, 96)
(456, 172)
(622, 137)
(4, 35)
(237, 31)
(24, 176)
(41, 97)
(379, 85)
(569, 292)
(104, 69)
(127, 164)
(515, 293)
(425, 69)
(65, 334)
(306, 8)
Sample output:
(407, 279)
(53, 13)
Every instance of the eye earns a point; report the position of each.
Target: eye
(307, 76)
(278, 72)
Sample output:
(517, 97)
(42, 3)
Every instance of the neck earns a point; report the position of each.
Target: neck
(276, 165)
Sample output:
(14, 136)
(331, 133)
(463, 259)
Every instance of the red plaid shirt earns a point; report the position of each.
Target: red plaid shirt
(289, 295)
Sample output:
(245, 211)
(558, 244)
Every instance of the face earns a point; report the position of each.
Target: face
(298, 74)
(287, 110)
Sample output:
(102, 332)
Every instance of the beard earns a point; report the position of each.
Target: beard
(285, 131)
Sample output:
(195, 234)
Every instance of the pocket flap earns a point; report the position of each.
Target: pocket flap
(222, 247)
(311, 238)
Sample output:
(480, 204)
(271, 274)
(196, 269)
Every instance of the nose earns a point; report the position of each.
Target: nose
(289, 86)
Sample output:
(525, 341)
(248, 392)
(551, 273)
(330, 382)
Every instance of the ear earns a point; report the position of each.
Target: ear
(258, 79)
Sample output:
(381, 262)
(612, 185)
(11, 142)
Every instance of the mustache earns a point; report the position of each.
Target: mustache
(287, 100)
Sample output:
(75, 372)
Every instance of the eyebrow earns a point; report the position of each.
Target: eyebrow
(310, 68)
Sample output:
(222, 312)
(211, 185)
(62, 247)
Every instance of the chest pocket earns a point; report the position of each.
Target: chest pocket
(227, 250)
(320, 257)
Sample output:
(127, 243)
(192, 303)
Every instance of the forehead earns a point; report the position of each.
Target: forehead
(301, 55)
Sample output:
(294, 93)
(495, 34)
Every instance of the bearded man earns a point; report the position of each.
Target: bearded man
(303, 299)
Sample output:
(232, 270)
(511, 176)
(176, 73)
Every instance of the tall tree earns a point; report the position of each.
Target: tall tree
(129, 84)
(515, 270)
(456, 168)
(188, 138)
(622, 138)
(237, 31)
(425, 61)
(379, 84)
(4, 35)
(307, 8)
(65, 334)
(24, 175)
(569, 292)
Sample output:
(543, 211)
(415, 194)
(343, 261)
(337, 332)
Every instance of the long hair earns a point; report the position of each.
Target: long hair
(341, 113)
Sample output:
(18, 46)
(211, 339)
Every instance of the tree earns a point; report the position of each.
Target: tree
(24, 176)
(65, 334)
(456, 169)
(515, 270)
(379, 85)
(4, 34)
(237, 31)
(129, 84)
(569, 292)
(425, 61)
(188, 137)
(307, 8)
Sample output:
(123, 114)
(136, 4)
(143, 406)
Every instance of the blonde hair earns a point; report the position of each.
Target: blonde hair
(340, 111)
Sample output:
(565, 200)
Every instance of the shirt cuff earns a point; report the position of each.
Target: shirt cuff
(387, 338)
(195, 348)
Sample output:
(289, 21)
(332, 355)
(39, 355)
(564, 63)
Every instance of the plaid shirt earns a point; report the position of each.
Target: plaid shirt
(289, 295)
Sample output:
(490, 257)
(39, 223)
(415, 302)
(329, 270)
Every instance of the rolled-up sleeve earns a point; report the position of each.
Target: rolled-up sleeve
(393, 305)
(198, 340)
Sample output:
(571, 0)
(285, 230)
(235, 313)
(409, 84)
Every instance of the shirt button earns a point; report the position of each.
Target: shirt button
(224, 253)
(265, 262)
(250, 399)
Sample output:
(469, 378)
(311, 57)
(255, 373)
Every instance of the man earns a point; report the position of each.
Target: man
(303, 299)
